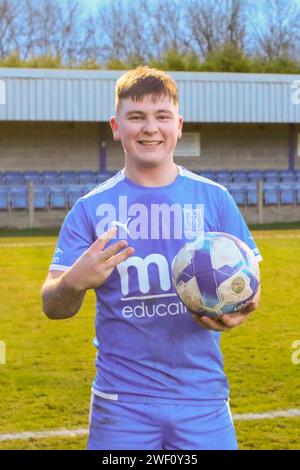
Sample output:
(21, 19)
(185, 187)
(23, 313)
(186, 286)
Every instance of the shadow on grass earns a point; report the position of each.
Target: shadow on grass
(34, 232)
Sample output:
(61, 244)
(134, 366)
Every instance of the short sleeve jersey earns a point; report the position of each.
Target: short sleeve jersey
(149, 349)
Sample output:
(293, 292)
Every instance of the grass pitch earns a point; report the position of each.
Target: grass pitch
(45, 383)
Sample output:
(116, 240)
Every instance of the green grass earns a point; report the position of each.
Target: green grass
(29, 232)
(45, 383)
(276, 226)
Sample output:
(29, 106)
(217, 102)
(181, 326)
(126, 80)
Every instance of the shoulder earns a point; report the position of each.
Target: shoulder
(201, 180)
(105, 187)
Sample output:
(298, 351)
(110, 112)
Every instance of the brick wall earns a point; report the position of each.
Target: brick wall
(48, 146)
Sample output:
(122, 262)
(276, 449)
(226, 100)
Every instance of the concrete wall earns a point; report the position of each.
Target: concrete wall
(48, 146)
(75, 146)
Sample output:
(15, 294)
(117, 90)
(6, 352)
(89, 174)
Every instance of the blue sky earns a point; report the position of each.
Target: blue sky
(91, 5)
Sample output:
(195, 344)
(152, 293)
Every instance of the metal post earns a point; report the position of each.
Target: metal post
(102, 156)
(292, 146)
(31, 204)
(260, 201)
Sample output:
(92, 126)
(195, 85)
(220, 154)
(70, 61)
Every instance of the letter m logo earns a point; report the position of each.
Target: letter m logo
(142, 265)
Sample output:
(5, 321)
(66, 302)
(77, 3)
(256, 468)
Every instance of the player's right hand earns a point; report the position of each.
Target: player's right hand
(95, 265)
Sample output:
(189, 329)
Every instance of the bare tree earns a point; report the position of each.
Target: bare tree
(140, 43)
(111, 29)
(52, 28)
(119, 31)
(210, 24)
(9, 11)
(166, 27)
(276, 28)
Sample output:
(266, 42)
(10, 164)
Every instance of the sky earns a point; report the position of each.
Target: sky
(91, 5)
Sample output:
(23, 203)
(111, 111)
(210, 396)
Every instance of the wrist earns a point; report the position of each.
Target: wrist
(70, 282)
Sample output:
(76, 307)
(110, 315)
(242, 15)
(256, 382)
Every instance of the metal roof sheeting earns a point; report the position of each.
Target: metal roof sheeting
(83, 95)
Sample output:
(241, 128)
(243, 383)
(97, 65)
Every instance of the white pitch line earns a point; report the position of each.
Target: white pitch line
(268, 415)
(268, 237)
(25, 245)
(43, 434)
(293, 413)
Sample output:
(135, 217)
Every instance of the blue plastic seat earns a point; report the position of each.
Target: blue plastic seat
(238, 193)
(33, 176)
(223, 177)
(88, 188)
(69, 177)
(2, 180)
(271, 194)
(287, 193)
(297, 192)
(239, 176)
(4, 198)
(287, 176)
(50, 178)
(86, 177)
(74, 193)
(255, 175)
(251, 194)
(41, 198)
(13, 178)
(19, 198)
(272, 176)
(58, 198)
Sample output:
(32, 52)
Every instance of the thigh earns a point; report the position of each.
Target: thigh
(200, 428)
(123, 426)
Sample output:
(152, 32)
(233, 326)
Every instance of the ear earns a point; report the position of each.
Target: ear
(114, 127)
(180, 124)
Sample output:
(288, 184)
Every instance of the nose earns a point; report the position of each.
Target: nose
(150, 126)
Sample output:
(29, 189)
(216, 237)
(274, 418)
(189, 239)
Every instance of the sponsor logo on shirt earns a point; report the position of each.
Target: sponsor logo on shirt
(152, 221)
(155, 294)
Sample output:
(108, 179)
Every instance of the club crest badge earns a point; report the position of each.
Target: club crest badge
(193, 221)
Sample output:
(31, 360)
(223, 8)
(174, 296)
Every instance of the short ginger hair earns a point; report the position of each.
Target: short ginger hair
(142, 81)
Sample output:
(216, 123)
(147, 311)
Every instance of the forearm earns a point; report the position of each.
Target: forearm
(60, 299)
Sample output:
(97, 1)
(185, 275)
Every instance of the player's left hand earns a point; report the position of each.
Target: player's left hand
(227, 321)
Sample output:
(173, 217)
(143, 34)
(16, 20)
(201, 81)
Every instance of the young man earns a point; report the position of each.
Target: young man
(160, 382)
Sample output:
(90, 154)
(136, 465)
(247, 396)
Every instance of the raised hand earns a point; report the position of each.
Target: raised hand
(95, 265)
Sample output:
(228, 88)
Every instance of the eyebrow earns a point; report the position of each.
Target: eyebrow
(129, 113)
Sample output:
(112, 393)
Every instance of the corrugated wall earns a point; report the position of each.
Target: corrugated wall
(73, 95)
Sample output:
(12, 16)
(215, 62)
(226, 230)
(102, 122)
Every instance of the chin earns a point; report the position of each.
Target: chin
(150, 163)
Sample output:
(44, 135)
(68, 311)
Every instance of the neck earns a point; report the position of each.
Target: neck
(152, 176)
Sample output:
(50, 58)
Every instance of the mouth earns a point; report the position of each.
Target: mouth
(150, 143)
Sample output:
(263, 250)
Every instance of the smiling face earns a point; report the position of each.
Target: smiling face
(148, 130)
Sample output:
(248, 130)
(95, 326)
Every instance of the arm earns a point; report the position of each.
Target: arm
(60, 299)
(63, 293)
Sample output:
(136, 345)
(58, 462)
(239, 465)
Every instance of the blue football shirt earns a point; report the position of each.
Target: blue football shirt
(149, 349)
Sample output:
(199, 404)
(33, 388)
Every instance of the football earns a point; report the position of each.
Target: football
(216, 274)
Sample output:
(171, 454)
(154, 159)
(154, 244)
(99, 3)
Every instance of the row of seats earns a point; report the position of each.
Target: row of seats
(273, 193)
(63, 197)
(44, 197)
(252, 176)
(15, 178)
